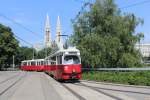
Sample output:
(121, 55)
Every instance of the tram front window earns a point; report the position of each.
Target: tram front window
(71, 60)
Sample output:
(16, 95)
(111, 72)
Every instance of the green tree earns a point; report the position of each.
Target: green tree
(8, 46)
(43, 53)
(25, 53)
(105, 36)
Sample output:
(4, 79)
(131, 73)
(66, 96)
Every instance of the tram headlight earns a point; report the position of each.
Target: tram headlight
(65, 67)
(78, 53)
(73, 70)
(66, 53)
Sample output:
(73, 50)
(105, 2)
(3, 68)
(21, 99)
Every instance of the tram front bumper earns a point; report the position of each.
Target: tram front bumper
(67, 76)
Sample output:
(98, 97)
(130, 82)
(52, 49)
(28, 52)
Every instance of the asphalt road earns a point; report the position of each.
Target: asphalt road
(18, 85)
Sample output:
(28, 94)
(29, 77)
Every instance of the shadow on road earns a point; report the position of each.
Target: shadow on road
(69, 81)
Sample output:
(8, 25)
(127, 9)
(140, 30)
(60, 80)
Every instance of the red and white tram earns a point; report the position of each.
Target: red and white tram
(64, 64)
(36, 65)
(68, 64)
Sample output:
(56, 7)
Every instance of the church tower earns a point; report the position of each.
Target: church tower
(58, 31)
(47, 33)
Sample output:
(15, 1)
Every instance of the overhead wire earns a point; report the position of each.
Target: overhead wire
(20, 25)
(127, 6)
(136, 4)
(23, 40)
(27, 29)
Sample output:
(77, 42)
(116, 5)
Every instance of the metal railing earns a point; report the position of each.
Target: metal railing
(116, 69)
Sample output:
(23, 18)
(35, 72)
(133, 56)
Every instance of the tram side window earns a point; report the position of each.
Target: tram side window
(46, 62)
(53, 62)
(53, 58)
(59, 59)
(24, 63)
(42, 62)
(28, 63)
(32, 63)
(36, 63)
(39, 63)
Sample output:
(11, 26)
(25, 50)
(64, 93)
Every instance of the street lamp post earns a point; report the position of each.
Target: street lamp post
(13, 62)
(33, 53)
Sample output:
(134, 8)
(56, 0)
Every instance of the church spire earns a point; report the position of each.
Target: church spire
(58, 31)
(47, 33)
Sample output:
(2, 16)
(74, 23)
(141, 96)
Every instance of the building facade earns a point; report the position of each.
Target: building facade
(48, 42)
(144, 48)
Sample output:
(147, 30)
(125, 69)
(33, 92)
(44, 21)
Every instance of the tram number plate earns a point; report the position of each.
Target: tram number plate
(73, 75)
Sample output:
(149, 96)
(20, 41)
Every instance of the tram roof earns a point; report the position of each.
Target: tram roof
(33, 60)
(70, 49)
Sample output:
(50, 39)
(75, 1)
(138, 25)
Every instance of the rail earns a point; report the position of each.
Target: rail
(116, 69)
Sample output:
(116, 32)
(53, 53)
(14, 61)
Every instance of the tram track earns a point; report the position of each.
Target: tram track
(12, 84)
(92, 88)
(126, 91)
(9, 78)
(73, 92)
(99, 91)
(123, 85)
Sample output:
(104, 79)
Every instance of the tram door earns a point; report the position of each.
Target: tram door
(58, 71)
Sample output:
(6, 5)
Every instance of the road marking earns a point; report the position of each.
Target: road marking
(11, 85)
(74, 93)
(107, 94)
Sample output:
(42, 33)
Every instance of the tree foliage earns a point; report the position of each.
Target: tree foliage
(25, 53)
(8, 46)
(43, 53)
(106, 37)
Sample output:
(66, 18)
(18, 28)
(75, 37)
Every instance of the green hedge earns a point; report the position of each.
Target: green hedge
(132, 78)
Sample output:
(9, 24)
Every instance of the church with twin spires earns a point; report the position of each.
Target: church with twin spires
(48, 42)
(47, 39)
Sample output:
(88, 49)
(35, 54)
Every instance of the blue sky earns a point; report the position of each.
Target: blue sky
(32, 14)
